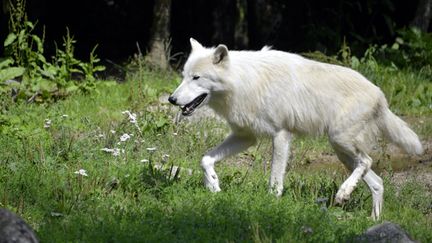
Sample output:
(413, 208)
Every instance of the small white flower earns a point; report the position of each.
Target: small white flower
(175, 134)
(108, 150)
(116, 152)
(152, 149)
(101, 135)
(65, 116)
(47, 123)
(132, 116)
(144, 160)
(124, 137)
(81, 172)
(113, 132)
(165, 157)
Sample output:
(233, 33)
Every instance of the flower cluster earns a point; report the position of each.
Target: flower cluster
(81, 172)
(125, 137)
(114, 151)
(132, 118)
(47, 123)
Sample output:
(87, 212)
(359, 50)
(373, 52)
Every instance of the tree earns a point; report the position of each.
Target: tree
(423, 15)
(158, 55)
(241, 36)
(224, 14)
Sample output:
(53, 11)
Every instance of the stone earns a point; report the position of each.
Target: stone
(13, 229)
(384, 233)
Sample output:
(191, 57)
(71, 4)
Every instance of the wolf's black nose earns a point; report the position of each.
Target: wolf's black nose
(172, 100)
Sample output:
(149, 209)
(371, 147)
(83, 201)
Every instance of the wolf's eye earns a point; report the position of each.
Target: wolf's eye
(195, 77)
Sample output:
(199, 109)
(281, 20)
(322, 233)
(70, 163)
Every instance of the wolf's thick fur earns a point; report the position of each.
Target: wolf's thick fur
(274, 93)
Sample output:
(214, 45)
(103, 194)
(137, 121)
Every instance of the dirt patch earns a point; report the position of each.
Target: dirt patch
(388, 161)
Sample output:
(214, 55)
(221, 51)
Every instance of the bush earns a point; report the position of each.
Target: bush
(26, 72)
(412, 48)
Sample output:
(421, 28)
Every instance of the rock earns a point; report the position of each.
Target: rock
(383, 233)
(14, 230)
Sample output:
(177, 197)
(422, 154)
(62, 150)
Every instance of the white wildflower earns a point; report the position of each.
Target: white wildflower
(81, 172)
(108, 150)
(175, 134)
(132, 116)
(114, 151)
(113, 132)
(124, 137)
(165, 157)
(47, 123)
(151, 149)
(144, 160)
(117, 151)
(101, 135)
(65, 116)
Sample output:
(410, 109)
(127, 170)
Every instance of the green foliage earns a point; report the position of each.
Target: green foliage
(38, 79)
(412, 48)
(7, 72)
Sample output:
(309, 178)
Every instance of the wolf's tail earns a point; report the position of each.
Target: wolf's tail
(398, 132)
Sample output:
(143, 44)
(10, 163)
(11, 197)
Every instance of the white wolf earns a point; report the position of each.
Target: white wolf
(277, 94)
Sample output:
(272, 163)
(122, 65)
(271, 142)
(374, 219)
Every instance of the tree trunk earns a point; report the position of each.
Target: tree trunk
(159, 53)
(224, 16)
(423, 15)
(264, 18)
(241, 36)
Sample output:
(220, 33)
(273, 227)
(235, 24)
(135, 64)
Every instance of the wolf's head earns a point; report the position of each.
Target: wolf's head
(201, 77)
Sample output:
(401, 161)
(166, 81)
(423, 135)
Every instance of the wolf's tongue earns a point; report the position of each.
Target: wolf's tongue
(186, 111)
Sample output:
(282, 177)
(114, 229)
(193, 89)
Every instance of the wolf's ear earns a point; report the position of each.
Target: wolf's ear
(195, 44)
(221, 54)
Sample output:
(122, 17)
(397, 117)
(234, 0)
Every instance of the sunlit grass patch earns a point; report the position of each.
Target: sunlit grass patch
(82, 169)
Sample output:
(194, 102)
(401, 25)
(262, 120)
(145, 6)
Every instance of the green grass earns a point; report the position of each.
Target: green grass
(123, 200)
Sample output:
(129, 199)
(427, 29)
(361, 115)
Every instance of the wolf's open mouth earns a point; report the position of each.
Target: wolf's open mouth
(188, 109)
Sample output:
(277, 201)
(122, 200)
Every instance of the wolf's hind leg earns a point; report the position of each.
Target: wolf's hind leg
(376, 187)
(362, 165)
(353, 157)
(233, 144)
(373, 181)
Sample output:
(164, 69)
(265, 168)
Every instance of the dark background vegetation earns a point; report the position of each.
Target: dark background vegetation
(297, 26)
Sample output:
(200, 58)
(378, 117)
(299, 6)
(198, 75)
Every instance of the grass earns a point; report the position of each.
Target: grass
(122, 199)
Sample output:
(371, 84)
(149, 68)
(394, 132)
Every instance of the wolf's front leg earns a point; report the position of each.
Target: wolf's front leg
(233, 144)
(281, 144)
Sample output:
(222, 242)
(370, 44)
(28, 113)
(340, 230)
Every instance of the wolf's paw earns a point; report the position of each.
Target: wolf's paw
(341, 197)
(276, 191)
(213, 188)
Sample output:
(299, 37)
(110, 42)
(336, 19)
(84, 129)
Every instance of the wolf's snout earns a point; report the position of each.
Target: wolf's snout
(172, 100)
